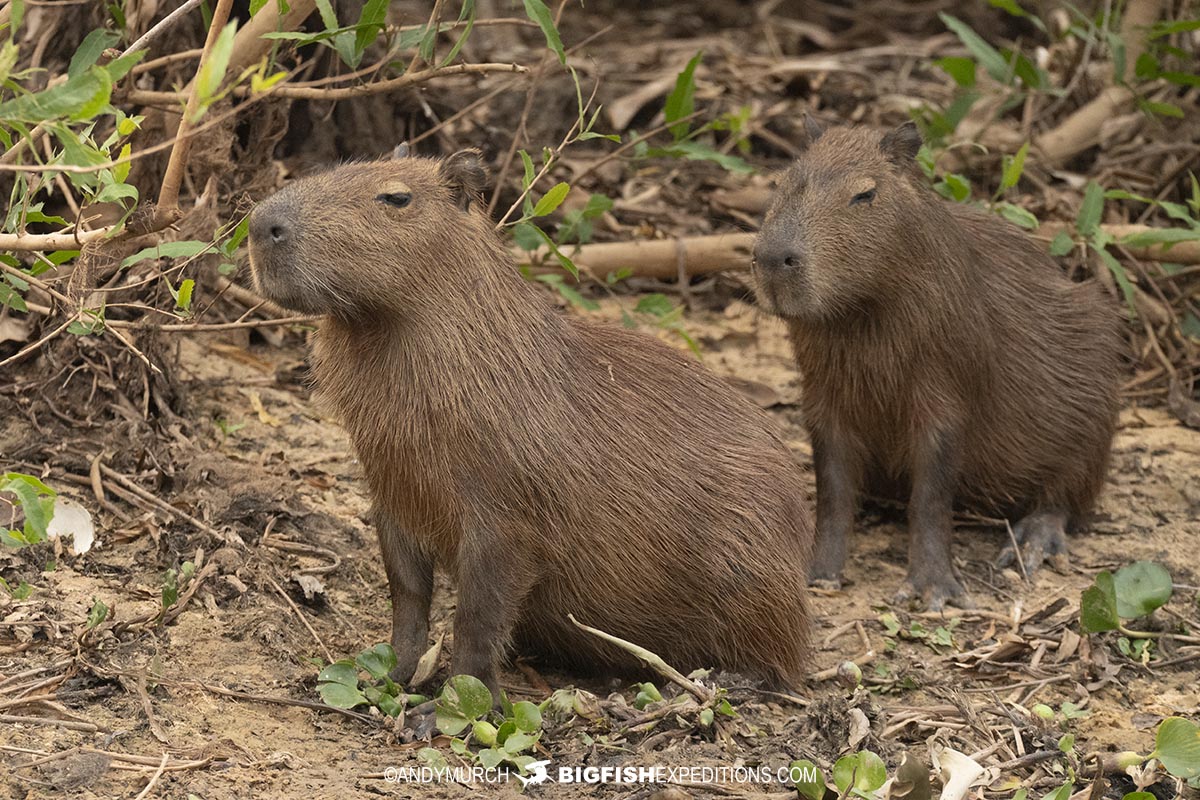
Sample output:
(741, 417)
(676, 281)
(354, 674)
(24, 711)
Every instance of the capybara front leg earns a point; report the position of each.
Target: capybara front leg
(410, 583)
(838, 477)
(492, 586)
(930, 525)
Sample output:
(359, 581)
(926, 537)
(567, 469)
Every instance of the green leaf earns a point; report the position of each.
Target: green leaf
(1161, 109)
(551, 199)
(463, 700)
(1063, 792)
(1139, 796)
(1091, 209)
(698, 151)
(527, 716)
(536, 10)
(90, 48)
(1163, 236)
(1098, 606)
(526, 236)
(484, 732)
(987, 56)
(343, 672)
(658, 305)
(1062, 244)
(490, 758)
(519, 742)
(808, 780)
(378, 662)
(185, 249)
(30, 494)
(1177, 746)
(340, 695)
(961, 69)
(954, 187)
(681, 100)
(1141, 588)
(370, 23)
(1017, 215)
(183, 297)
(389, 705)
(79, 98)
(328, 17)
(863, 771)
(212, 73)
(97, 614)
(1100, 241)
(1013, 168)
(11, 298)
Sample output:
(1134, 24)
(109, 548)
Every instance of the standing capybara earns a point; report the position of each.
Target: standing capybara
(551, 465)
(942, 354)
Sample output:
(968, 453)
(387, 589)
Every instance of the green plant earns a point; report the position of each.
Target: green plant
(464, 706)
(939, 639)
(36, 501)
(173, 581)
(365, 680)
(1134, 591)
(687, 142)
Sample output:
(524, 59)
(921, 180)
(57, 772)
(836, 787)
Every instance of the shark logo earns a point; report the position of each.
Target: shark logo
(537, 774)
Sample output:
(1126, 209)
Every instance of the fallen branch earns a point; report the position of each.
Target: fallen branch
(1082, 129)
(656, 258)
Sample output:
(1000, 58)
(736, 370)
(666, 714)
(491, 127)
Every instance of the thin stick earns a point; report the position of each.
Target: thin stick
(295, 610)
(139, 97)
(147, 38)
(144, 793)
(168, 211)
(650, 659)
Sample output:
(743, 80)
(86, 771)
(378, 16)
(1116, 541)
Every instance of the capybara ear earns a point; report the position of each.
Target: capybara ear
(466, 176)
(401, 150)
(901, 144)
(812, 128)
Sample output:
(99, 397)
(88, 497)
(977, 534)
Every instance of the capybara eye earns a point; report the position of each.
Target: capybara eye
(397, 199)
(863, 197)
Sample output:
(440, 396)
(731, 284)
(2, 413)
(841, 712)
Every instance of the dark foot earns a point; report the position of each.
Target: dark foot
(935, 591)
(1040, 535)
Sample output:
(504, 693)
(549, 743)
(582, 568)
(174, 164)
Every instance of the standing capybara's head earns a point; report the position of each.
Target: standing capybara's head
(344, 241)
(837, 229)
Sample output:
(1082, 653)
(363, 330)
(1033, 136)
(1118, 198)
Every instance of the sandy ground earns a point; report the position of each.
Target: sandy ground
(262, 457)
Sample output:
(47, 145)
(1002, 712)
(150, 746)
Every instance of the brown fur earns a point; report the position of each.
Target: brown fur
(941, 351)
(552, 465)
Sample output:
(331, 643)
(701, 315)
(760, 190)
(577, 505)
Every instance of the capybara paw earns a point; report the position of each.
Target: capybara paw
(1039, 536)
(831, 584)
(934, 593)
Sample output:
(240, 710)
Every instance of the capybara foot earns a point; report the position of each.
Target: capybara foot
(1039, 535)
(830, 584)
(935, 591)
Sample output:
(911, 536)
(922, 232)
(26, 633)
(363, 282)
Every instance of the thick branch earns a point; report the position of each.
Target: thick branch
(1081, 130)
(168, 211)
(51, 241)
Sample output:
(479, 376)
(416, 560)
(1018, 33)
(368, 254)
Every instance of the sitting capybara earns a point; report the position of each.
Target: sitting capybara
(943, 355)
(550, 464)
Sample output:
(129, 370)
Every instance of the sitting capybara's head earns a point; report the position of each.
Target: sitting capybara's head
(348, 241)
(834, 237)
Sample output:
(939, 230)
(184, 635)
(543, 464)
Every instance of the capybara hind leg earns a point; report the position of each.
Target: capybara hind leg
(1039, 535)
(410, 582)
(838, 477)
(492, 587)
(930, 527)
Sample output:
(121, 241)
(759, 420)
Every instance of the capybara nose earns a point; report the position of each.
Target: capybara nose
(268, 227)
(777, 257)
